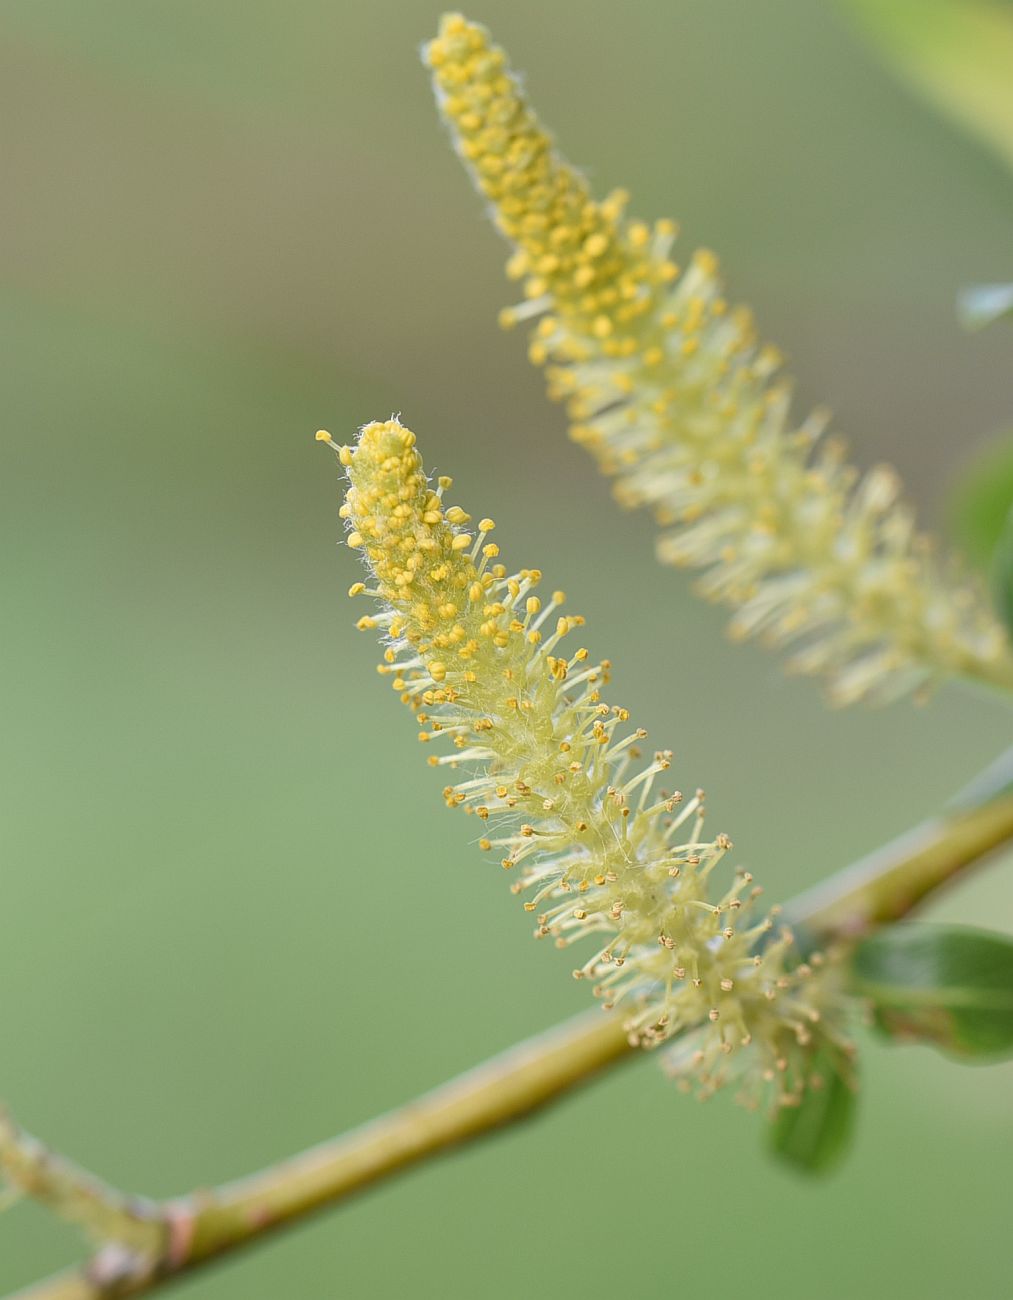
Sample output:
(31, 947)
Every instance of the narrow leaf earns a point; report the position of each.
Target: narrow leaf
(957, 53)
(982, 501)
(813, 1136)
(981, 304)
(942, 984)
(1002, 573)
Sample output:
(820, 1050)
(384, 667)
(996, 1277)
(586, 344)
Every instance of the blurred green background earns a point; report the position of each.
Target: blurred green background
(236, 917)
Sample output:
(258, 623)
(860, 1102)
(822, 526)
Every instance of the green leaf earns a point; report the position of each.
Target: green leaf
(957, 53)
(947, 985)
(813, 1136)
(981, 304)
(982, 501)
(1002, 573)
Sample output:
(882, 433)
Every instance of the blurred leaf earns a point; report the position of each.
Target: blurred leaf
(981, 304)
(1002, 572)
(813, 1136)
(957, 53)
(942, 984)
(982, 501)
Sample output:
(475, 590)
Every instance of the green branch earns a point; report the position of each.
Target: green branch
(145, 1244)
(892, 881)
(201, 1227)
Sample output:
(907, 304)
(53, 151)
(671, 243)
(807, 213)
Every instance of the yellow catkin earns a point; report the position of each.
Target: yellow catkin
(672, 394)
(567, 801)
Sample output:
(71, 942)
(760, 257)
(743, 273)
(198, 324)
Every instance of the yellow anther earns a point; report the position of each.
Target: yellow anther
(705, 261)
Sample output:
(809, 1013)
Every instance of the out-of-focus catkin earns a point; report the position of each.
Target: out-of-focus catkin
(668, 387)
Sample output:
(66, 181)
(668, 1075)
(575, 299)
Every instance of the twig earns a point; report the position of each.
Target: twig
(894, 880)
(204, 1226)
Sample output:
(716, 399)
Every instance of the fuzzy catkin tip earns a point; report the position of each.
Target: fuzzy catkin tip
(603, 857)
(669, 389)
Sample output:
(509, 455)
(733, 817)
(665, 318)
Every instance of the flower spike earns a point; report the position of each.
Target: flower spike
(566, 799)
(669, 389)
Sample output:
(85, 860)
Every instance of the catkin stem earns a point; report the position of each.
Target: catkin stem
(206, 1225)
